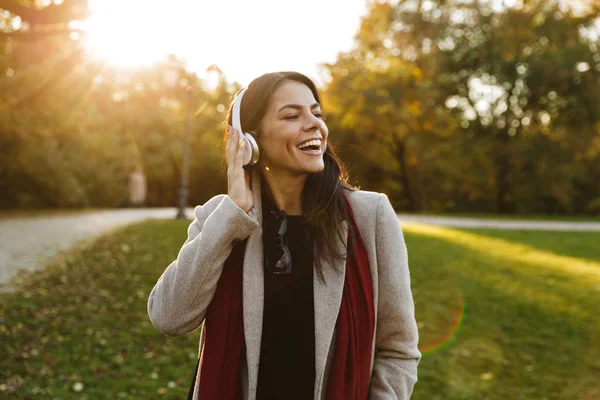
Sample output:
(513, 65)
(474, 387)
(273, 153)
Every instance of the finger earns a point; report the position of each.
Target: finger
(228, 136)
(230, 150)
(241, 149)
(234, 147)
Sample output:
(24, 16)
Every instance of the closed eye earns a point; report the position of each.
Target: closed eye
(296, 116)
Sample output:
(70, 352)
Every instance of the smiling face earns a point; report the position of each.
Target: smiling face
(293, 135)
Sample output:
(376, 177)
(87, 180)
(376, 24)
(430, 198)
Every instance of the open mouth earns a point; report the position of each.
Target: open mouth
(311, 146)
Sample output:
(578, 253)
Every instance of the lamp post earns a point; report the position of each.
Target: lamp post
(172, 76)
(213, 74)
(185, 168)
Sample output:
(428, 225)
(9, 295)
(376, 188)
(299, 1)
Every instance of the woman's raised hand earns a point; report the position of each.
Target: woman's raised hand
(238, 179)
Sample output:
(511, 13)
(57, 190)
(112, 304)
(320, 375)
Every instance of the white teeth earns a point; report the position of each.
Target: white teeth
(315, 142)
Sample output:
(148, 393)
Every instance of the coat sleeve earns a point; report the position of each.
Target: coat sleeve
(396, 353)
(177, 304)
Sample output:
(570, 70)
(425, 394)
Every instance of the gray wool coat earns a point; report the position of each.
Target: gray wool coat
(178, 302)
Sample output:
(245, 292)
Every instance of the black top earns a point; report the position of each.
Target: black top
(287, 355)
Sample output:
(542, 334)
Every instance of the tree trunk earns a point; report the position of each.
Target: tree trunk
(403, 175)
(503, 205)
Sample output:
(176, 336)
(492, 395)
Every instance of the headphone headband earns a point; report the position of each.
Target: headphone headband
(235, 115)
(252, 152)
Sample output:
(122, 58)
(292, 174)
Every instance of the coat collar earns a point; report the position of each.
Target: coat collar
(327, 297)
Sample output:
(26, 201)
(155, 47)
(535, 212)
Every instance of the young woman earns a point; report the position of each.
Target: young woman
(302, 281)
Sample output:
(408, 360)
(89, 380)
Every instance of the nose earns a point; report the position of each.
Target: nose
(313, 123)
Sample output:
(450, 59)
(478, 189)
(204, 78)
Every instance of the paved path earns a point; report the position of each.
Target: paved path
(28, 242)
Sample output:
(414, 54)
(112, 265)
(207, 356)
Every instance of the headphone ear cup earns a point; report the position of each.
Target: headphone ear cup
(252, 151)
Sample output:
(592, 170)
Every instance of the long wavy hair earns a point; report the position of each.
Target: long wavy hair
(322, 197)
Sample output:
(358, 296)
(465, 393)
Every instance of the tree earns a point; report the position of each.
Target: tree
(54, 13)
(464, 95)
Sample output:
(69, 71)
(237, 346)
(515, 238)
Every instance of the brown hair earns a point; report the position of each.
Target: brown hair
(322, 198)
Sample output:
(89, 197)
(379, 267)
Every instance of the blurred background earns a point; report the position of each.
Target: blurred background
(448, 106)
(461, 110)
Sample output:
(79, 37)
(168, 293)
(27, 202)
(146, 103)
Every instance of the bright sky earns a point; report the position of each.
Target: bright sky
(245, 38)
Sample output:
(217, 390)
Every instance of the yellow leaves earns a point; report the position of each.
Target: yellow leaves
(401, 130)
(467, 359)
(509, 56)
(414, 108)
(486, 376)
(170, 385)
(118, 359)
(17, 328)
(539, 19)
(381, 92)
(52, 338)
(384, 109)
(78, 387)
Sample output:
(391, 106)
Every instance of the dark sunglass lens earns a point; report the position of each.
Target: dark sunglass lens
(284, 265)
(282, 227)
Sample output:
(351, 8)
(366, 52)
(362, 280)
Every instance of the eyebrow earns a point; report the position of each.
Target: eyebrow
(298, 106)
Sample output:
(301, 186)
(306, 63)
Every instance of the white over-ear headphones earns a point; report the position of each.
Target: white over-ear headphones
(251, 153)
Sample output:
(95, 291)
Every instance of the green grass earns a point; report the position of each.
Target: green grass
(84, 320)
(519, 217)
(531, 322)
(574, 244)
(530, 327)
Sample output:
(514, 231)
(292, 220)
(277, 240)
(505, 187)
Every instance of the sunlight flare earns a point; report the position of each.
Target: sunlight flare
(245, 39)
(132, 32)
(513, 251)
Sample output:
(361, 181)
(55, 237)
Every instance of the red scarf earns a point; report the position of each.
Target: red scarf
(224, 331)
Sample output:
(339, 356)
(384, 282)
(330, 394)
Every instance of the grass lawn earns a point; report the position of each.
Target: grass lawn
(528, 217)
(502, 315)
(528, 315)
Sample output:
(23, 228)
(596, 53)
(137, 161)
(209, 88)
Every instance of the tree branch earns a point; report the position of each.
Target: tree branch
(53, 14)
(34, 35)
